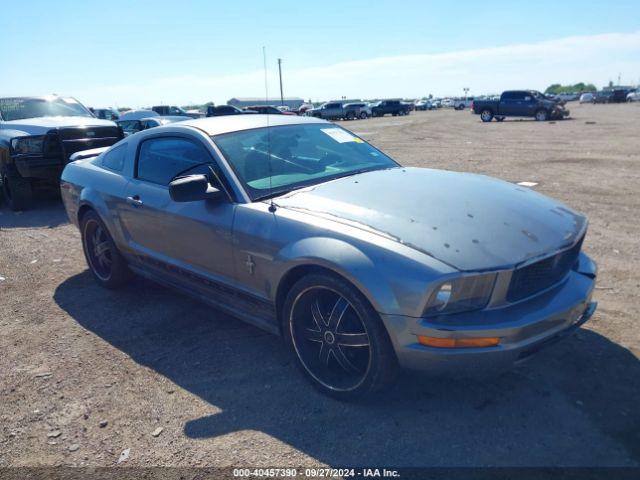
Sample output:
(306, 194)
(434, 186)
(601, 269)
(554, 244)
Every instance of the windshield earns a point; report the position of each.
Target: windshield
(301, 155)
(21, 108)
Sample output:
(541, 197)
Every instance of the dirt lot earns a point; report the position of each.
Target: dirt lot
(75, 356)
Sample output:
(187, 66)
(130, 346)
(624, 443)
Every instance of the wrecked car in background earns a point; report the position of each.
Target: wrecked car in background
(520, 103)
(304, 229)
(37, 137)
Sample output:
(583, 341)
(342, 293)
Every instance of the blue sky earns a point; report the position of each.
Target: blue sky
(140, 52)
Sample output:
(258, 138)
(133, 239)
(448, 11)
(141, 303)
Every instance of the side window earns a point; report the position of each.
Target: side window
(508, 96)
(160, 160)
(114, 158)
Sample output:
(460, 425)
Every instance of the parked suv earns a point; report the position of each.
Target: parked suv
(519, 103)
(361, 109)
(37, 137)
(462, 103)
(394, 107)
(172, 111)
(336, 111)
(633, 96)
(221, 110)
(603, 96)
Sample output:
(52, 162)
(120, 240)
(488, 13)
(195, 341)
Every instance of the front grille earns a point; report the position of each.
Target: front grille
(542, 274)
(83, 133)
(74, 140)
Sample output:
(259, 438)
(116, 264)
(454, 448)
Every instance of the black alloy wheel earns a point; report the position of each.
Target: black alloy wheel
(104, 260)
(337, 338)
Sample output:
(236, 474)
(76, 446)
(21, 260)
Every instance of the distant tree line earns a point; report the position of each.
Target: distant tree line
(556, 88)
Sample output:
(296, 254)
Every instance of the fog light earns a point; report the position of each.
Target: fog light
(458, 342)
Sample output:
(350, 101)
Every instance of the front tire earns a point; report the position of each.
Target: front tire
(363, 115)
(542, 115)
(106, 263)
(17, 191)
(337, 338)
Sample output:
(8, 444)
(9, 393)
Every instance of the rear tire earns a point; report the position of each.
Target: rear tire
(105, 262)
(337, 338)
(486, 115)
(17, 191)
(363, 115)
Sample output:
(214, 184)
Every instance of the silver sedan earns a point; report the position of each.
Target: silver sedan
(305, 230)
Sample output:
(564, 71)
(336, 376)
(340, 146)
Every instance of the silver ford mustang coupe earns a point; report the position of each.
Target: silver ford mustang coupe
(305, 230)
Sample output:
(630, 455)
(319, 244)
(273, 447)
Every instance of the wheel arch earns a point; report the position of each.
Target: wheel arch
(83, 210)
(334, 257)
(91, 200)
(293, 275)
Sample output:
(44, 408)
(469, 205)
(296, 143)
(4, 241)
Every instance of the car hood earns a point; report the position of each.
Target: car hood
(41, 125)
(471, 222)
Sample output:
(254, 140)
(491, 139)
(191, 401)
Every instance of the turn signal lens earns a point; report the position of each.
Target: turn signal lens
(458, 342)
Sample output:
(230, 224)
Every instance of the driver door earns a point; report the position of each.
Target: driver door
(188, 243)
(512, 104)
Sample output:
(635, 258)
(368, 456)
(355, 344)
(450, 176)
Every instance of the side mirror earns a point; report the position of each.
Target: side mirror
(192, 188)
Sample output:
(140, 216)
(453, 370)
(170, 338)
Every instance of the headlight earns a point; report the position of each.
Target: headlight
(461, 294)
(28, 145)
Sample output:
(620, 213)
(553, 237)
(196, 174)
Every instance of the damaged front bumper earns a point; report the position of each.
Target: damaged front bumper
(559, 113)
(523, 328)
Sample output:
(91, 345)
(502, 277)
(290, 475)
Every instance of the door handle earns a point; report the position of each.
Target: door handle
(135, 201)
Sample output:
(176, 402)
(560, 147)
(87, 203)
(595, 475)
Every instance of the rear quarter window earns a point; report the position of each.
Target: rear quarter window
(114, 158)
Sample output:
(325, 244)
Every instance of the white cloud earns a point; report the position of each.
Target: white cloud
(595, 58)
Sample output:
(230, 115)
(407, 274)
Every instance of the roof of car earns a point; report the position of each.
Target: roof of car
(234, 123)
(163, 119)
(137, 114)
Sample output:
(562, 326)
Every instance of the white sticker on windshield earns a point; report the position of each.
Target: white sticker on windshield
(339, 135)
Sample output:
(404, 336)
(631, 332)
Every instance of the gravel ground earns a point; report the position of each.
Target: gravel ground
(86, 374)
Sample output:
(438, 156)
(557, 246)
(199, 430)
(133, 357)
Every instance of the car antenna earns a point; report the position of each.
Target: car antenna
(272, 205)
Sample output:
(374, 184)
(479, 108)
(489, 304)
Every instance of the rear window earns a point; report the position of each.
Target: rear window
(514, 95)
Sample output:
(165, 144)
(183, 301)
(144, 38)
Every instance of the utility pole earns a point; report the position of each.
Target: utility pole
(466, 90)
(280, 73)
